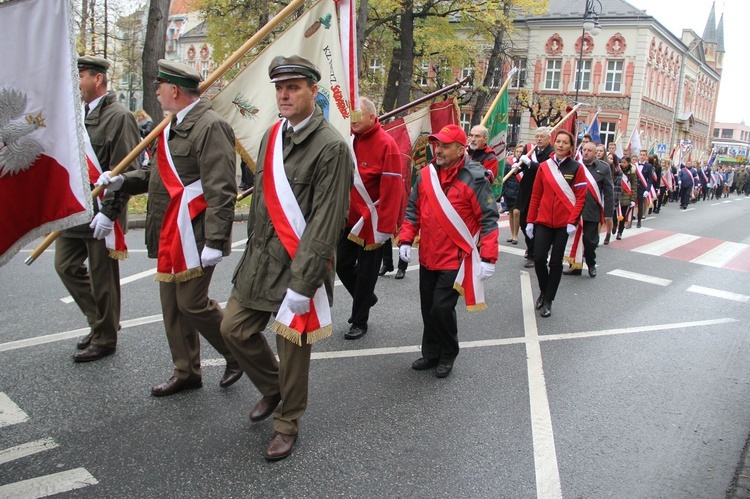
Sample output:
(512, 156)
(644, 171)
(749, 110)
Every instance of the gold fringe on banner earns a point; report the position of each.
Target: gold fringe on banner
(118, 255)
(294, 336)
(183, 276)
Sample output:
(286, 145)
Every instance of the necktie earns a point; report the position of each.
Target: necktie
(85, 110)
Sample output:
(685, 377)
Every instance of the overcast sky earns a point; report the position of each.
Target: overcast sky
(676, 15)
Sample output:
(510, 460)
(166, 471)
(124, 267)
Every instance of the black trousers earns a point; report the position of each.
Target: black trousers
(590, 242)
(358, 271)
(641, 205)
(529, 242)
(660, 198)
(387, 254)
(546, 238)
(438, 301)
(685, 193)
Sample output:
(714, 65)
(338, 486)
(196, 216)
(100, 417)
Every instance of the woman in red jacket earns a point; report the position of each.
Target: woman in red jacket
(556, 203)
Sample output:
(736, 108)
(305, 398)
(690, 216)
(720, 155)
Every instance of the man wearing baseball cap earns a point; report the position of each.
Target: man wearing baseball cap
(453, 210)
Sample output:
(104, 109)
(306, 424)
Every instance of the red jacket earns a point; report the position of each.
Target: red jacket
(547, 207)
(470, 194)
(487, 158)
(379, 163)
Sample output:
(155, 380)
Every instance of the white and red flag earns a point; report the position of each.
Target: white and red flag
(44, 184)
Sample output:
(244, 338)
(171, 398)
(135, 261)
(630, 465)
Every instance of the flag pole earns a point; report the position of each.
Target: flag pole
(156, 131)
(436, 93)
(512, 71)
(554, 129)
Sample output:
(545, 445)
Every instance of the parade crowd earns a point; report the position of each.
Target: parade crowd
(322, 207)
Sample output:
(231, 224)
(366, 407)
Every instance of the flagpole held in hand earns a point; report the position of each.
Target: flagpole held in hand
(156, 131)
(499, 94)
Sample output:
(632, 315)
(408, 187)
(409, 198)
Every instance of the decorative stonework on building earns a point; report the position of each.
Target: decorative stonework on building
(588, 44)
(658, 112)
(616, 44)
(554, 45)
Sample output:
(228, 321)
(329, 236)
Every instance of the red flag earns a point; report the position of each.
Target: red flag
(443, 113)
(397, 130)
(569, 124)
(43, 177)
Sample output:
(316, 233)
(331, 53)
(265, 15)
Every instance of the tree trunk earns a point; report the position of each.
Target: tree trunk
(154, 48)
(495, 61)
(406, 37)
(391, 86)
(84, 20)
(362, 9)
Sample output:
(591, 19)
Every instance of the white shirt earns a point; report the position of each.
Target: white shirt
(183, 112)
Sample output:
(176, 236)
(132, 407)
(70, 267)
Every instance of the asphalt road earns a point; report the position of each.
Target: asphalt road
(635, 387)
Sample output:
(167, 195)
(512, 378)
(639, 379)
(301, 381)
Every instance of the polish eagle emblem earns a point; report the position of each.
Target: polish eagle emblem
(18, 151)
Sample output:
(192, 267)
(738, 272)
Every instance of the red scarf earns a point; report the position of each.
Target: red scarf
(178, 259)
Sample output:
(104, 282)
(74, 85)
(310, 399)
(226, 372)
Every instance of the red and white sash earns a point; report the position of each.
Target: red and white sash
(178, 259)
(574, 246)
(289, 222)
(115, 241)
(651, 192)
(467, 282)
(626, 185)
(363, 232)
(593, 188)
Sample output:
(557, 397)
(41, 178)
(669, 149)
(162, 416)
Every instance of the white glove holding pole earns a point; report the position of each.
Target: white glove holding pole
(404, 252)
(571, 229)
(645, 195)
(111, 183)
(525, 160)
(381, 237)
(486, 270)
(297, 303)
(210, 257)
(632, 204)
(530, 231)
(102, 225)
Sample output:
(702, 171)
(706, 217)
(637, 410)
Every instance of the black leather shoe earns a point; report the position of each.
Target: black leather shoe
(355, 333)
(546, 310)
(232, 375)
(443, 370)
(175, 385)
(529, 264)
(606, 238)
(638, 226)
(265, 407)
(280, 446)
(85, 341)
(619, 237)
(400, 273)
(592, 271)
(572, 272)
(421, 364)
(93, 352)
(384, 269)
(539, 301)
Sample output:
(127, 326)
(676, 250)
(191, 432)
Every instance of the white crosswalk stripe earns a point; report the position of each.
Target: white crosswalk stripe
(10, 413)
(720, 255)
(666, 244)
(48, 485)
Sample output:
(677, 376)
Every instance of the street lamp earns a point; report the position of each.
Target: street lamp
(591, 25)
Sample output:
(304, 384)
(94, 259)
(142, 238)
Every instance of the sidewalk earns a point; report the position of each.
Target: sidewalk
(139, 221)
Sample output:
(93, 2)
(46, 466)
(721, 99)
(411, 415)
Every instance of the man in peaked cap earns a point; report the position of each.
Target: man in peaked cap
(189, 221)
(451, 197)
(113, 133)
(283, 271)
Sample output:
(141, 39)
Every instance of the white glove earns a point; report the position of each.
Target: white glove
(102, 225)
(525, 160)
(530, 231)
(297, 303)
(645, 195)
(381, 237)
(210, 257)
(112, 183)
(486, 270)
(404, 252)
(571, 229)
(632, 204)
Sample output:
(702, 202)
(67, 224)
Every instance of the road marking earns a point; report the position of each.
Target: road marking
(725, 202)
(634, 231)
(640, 277)
(666, 244)
(688, 209)
(48, 485)
(718, 293)
(27, 449)
(720, 255)
(10, 413)
(140, 275)
(545, 455)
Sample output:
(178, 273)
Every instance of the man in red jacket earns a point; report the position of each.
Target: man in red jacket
(480, 152)
(375, 202)
(452, 207)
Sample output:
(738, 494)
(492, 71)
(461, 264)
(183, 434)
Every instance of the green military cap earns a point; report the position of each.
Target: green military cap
(295, 66)
(99, 64)
(178, 74)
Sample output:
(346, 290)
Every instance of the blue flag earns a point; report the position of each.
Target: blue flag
(594, 131)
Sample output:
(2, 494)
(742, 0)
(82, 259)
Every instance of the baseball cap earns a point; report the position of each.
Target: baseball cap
(450, 133)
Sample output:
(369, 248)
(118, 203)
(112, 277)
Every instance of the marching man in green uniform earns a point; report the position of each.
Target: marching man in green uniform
(192, 191)
(297, 216)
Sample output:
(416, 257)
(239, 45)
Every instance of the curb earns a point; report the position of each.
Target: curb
(139, 221)
(740, 488)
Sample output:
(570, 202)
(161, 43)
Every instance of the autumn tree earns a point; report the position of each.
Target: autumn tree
(154, 49)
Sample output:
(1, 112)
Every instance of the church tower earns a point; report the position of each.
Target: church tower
(714, 58)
